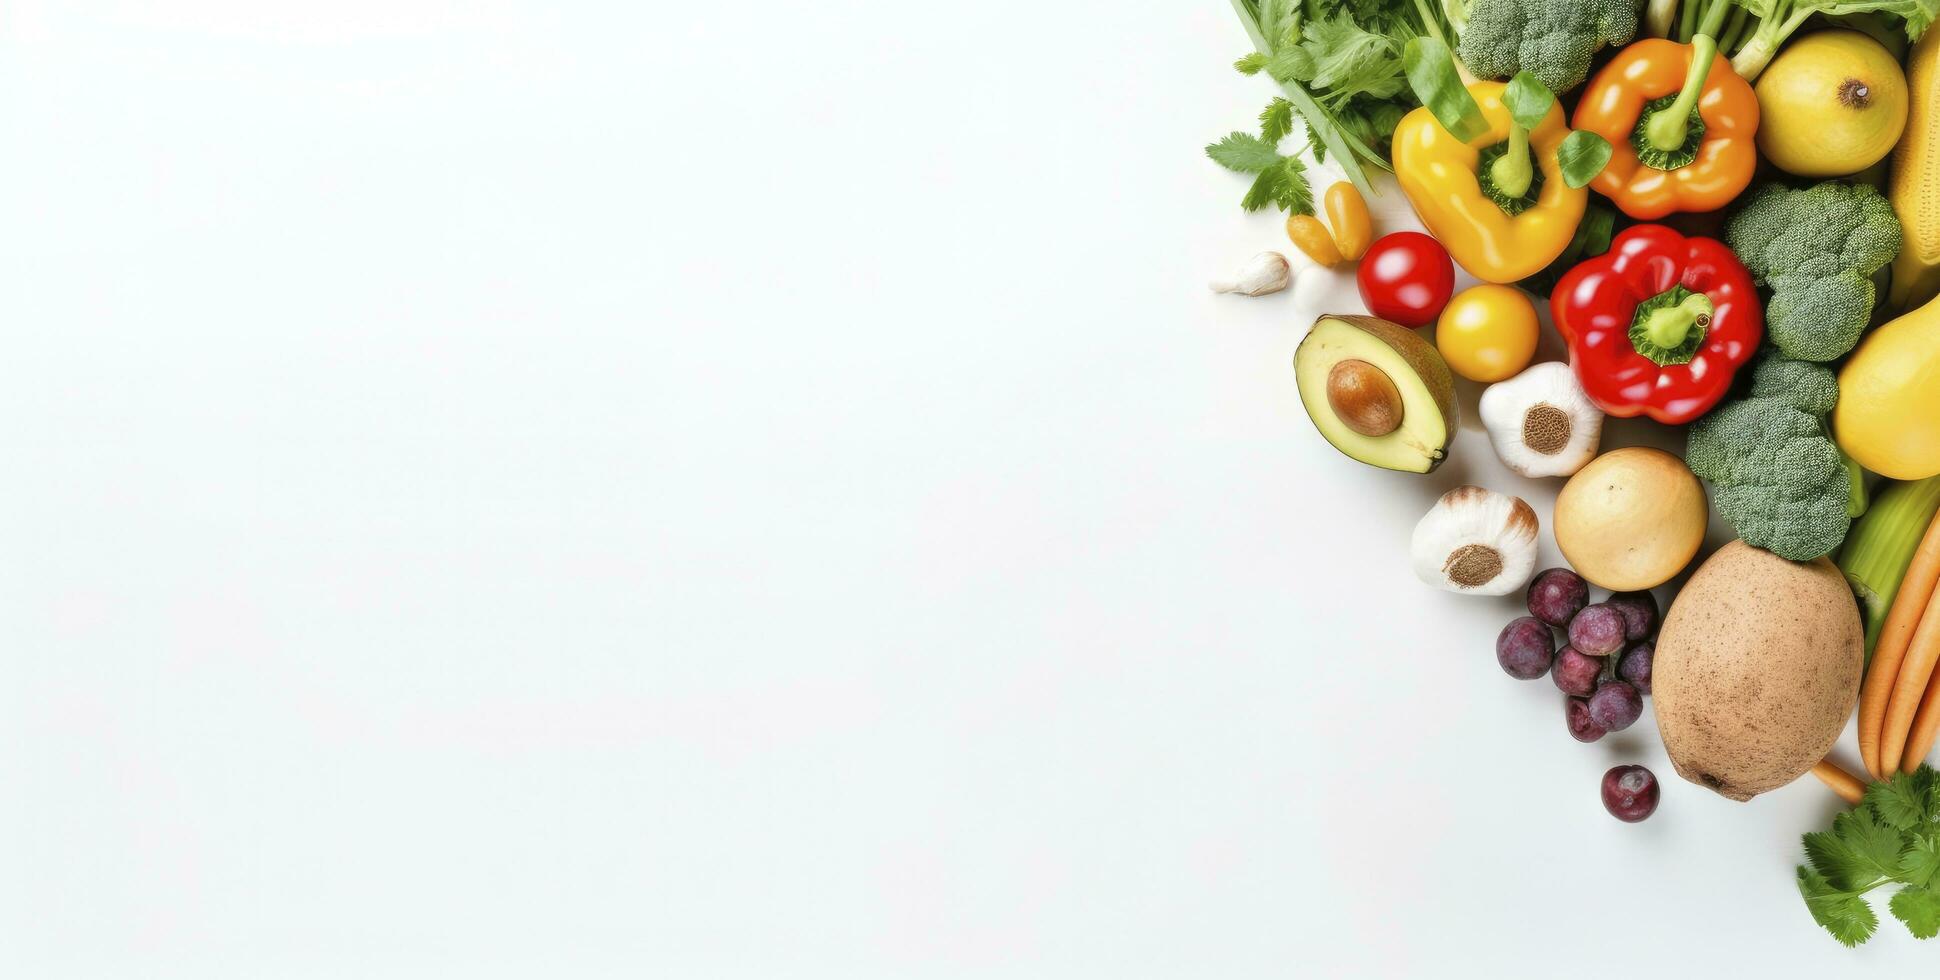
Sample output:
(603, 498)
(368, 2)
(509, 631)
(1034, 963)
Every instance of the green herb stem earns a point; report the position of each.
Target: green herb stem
(1341, 144)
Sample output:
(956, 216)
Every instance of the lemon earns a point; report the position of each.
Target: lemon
(1833, 103)
(1888, 418)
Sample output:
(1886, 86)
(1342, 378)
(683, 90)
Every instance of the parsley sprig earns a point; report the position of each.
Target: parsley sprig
(1339, 67)
(1891, 838)
(1281, 180)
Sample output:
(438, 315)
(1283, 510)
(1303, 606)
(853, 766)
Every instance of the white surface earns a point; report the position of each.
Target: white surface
(585, 490)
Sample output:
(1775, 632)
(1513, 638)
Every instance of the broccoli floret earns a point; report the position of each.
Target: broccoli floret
(1551, 39)
(1775, 473)
(1816, 249)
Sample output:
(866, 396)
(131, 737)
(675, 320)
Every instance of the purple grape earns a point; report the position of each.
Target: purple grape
(1556, 594)
(1524, 648)
(1639, 611)
(1615, 706)
(1597, 631)
(1575, 673)
(1635, 666)
(1576, 714)
(1630, 793)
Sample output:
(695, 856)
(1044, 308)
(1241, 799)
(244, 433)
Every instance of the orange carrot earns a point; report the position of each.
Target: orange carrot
(1926, 725)
(1916, 589)
(1839, 781)
(1915, 670)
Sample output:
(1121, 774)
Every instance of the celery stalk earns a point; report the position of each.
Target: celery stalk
(1881, 545)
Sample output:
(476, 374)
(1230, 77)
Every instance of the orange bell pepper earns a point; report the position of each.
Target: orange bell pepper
(1716, 160)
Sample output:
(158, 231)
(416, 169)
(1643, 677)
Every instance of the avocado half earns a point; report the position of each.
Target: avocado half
(1378, 392)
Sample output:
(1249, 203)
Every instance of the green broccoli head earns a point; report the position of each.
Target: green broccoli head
(1549, 39)
(1774, 473)
(1817, 250)
(1810, 388)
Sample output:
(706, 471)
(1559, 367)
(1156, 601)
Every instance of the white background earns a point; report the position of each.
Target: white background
(742, 490)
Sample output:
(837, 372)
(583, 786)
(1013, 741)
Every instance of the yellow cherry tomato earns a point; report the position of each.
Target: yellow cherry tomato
(1488, 333)
(1311, 236)
(1353, 226)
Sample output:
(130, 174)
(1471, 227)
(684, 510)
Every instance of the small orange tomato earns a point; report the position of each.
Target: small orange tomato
(1353, 226)
(1488, 333)
(1311, 236)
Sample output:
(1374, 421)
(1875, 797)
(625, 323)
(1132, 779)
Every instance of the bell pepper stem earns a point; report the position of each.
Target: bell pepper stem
(1511, 171)
(1671, 326)
(1666, 130)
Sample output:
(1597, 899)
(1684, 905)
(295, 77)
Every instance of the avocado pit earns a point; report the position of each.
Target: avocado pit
(1364, 397)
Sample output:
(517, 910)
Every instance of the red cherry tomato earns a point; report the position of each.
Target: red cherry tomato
(1406, 277)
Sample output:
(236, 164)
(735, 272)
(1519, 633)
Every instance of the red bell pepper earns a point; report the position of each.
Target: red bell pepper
(1658, 325)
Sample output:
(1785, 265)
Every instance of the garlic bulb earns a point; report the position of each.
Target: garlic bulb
(1476, 541)
(1540, 421)
(1267, 272)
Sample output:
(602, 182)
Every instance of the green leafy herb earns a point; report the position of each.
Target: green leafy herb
(1891, 838)
(1340, 68)
(1279, 180)
(1582, 156)
(1276, 120)
(1349, 61)
(1244, 152)
(1432, 74)
(1283, 185)
(1527, 100)
(1291, 65)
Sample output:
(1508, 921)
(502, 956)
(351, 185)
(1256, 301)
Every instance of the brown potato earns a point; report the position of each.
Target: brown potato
(1757, 669)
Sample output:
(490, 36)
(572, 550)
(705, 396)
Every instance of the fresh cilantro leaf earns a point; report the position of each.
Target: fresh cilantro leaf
(1245, 153)
(1276, 120)
(1892, 837)
(1291, 64)
(1919, 908)
(1842, 913)
(1857, 852)
(1350, 61)
(1900, 802)
(1265, 188)
(1284, 186)
(1251, 64)
(1280, 21)
(1921, 862)
(1296, 195)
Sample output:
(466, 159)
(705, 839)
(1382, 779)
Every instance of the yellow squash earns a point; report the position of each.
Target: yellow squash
(1888, 419)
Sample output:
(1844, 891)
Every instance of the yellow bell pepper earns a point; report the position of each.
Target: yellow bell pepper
(1442, 177)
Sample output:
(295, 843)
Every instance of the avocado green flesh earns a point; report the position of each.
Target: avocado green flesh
(1420, 443)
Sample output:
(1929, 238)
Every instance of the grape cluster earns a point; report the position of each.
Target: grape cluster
(1603, 668)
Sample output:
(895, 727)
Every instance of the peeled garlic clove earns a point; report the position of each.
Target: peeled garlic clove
(1540, 421)
(1267, 272)
(1476, 541)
